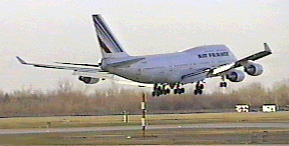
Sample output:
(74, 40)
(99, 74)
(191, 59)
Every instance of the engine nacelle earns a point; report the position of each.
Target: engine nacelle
(235, 76)
(88, 80)
(254, 69)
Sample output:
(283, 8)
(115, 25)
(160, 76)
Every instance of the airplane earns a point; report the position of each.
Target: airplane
(165, 72)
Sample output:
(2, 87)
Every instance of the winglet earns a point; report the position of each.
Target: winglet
(20, 60)
(267, 48)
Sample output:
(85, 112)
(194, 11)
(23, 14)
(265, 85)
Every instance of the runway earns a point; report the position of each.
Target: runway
(150, 127)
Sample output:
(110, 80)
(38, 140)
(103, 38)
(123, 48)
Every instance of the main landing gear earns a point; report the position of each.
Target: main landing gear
(164, 89)
(179, 90)
(160, 90)
(199, 89)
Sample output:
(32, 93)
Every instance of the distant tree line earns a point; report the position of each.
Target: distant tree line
(66, 100)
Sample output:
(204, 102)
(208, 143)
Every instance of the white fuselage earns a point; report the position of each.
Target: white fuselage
(180, 67)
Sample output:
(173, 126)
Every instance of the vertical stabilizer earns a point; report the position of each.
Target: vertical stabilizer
(110, 48)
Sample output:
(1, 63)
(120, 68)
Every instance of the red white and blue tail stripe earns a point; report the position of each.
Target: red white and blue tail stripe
(108, 43)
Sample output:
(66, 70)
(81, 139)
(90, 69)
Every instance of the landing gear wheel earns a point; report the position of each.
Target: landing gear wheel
(200, 91)
(159, 89)
(153, 93)
(175, 91)
(168, 91)
(182, 90)
(201, 86)
(158, 93)
(196, 92)
(223, 84)
(179, 91)
(163, 89)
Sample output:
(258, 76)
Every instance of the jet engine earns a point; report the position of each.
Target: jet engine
(254, 69)
(88, 80)
(235, 76)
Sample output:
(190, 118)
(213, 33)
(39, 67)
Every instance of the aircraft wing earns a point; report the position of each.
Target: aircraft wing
(254, 57)
(57, 66)
(87, 72)
(241, 62)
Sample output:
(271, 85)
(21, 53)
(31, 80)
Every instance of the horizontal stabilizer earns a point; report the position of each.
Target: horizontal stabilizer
(126, 63)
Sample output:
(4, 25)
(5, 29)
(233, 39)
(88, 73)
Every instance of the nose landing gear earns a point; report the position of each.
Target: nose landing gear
(223, 83)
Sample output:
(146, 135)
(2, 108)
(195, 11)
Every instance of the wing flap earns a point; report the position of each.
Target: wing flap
(200, 71)
(81, 64)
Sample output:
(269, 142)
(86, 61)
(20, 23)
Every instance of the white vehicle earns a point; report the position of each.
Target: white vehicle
(242, 108)
(164, 71)
(269, 108)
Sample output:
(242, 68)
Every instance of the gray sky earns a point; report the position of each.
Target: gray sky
(48, 31)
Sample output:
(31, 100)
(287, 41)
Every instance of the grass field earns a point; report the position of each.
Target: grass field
(116, 120)
(158, 136)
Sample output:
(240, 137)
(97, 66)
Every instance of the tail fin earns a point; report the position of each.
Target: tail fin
(110, 48)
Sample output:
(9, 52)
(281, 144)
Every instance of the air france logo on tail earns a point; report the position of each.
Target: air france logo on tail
(106, 39)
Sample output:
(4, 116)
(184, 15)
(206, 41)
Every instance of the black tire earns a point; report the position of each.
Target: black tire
(158, 93)
(225, 84)
(183, 90)
(221, 84)
(159, 88)
(168, 91)
(179, 91)
(202, 86)
(153, 93)
(175, 91)
(196, 92)
(200, 92)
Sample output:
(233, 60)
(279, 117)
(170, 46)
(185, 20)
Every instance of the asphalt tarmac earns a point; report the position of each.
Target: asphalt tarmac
(152, 127)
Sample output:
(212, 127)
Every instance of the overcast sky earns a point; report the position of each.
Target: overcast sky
(54, 30)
